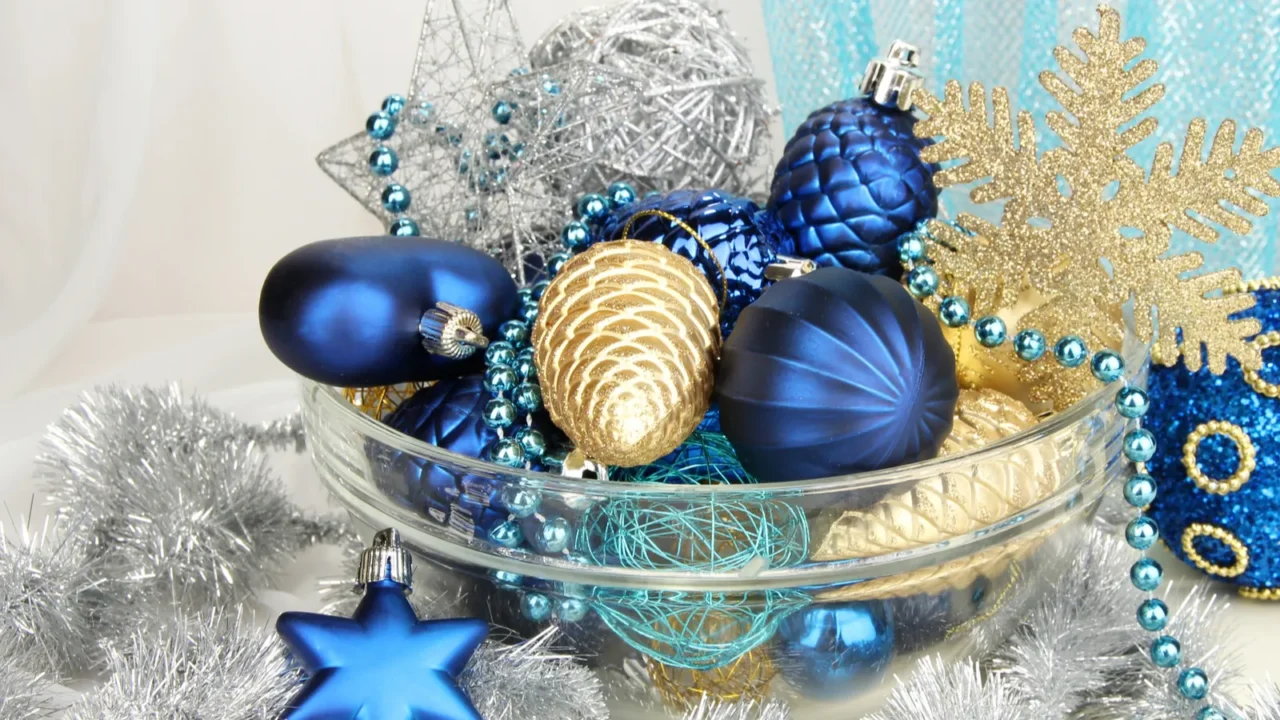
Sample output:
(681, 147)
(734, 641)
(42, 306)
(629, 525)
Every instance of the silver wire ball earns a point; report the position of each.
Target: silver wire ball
(702, 117)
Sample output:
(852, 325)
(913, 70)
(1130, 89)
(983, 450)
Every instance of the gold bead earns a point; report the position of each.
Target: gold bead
(1244, 446)
(1255, 380)
(625, 343)
(1195, 530)
(1267, 594)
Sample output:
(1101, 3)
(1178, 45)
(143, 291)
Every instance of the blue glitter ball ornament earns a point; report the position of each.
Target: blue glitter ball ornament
(835, 372)
(850, 182)
(706, 458)
(834, 651)
(1218, 465)
(739, 240)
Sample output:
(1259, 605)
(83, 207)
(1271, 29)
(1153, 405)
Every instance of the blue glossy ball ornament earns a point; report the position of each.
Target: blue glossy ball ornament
(383, 161)
(403, 227)
(346, 312)
(1030, 344)
(1153, 615)
(834, 651)
(1166, 651)
(850, 182)
(835, 372)
(380, 126)
(738, 240)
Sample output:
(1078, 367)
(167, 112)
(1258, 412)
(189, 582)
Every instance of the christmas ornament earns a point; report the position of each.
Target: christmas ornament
(728, 238)
(206, 665)
(384, 661)
(700, 118)
(173, 497)
(1066, 240)
(479, 150)
(823, 363)
(530, 680)
(706, 458)
(953, 504)
(1216, 483)
(711, 709)
(625, 345)
(380, 401)
(834, 651)
(745, 680)
(361, 312)
(851, 179)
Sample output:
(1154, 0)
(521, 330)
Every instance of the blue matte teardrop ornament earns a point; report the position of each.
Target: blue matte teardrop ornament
(739, 237)
(850, 182)
(346, 312)
(835, 372)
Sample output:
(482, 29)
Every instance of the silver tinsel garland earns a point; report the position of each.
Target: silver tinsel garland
(23, 694)
(530, 681)
(955, 691)
(708, 709)
(1266, 701)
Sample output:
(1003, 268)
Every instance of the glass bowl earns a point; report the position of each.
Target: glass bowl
(670, 591)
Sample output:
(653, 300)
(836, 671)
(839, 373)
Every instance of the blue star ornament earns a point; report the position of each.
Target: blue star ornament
(383, 663)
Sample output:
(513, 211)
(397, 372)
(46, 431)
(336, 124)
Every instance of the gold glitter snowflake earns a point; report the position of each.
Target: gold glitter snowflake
(1086, 226)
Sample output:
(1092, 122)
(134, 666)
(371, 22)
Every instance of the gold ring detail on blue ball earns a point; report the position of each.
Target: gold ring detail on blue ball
(1253, 377)
(1244, 467)
(1241, 551)
(1265, 594)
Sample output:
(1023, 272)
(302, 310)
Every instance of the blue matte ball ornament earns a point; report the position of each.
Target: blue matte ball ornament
(1218, 467)
(740, 240)
(346, 312)
(850, 182)
(835, 372)
(835, 651)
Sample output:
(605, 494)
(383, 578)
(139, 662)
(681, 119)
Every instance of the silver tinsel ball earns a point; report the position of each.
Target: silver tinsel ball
(942, 690)
(172, 498)
(701, 119)
(531, 681)
(23, 694)
(708, 709)
(1266, 701)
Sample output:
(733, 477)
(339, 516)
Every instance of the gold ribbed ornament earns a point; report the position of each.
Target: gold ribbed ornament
(626, 342)
(953, 503)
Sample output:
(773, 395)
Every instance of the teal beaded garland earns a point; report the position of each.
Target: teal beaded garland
(571, 610)
(499, 413)
(555, 262)
(393, 104)
(527, 396)
(521, 502)
(383, 161)
(1146, 574)
(535, 606)
(1030, 344)
(1139, 445)
(621, 194)
(1208, 713)
(1107, 366)
(508, 452)
(380, 126)
(502, 112)
(1140, 490)
(507, 534)
(575, 235)
(1166, 651)
(540, 288)
(1193, 683)
(500, 352)
(1132, 402)
(1153, 615)
(395, 198)
(403, 227)
(1071, 351)
(593, 207)
(500, 379)
(990, 331)
(528, 313)
(954, 311)
(1141, 532)
(514, 332)
(532, 441)
(922, 281)
(911, 247)
(554, 535)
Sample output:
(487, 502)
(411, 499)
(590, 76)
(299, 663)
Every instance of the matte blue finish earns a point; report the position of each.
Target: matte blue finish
(345, 312)
(835, 372)
(744, 240)
(835, 651)
(851, 181)
(382, 663)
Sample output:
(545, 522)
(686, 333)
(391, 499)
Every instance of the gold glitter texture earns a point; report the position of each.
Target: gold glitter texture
(1083, 223)
(746, 679)
(626, 343)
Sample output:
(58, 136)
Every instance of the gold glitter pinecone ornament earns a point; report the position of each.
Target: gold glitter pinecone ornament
(625, 344)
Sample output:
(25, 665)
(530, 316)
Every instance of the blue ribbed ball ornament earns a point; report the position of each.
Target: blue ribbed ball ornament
(1217, 467)
(834, 651)
(851, 181)
(835, 372)
(742, 240)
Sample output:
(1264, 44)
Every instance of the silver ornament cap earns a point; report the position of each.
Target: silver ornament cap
(891, 79)
(385, 559)
(580, 467)
(785, 266)
(451, 331)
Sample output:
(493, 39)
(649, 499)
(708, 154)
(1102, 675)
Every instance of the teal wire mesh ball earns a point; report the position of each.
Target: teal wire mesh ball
(706, 458)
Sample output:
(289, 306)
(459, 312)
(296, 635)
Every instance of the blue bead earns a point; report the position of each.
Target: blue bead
(1030, 344)
(525, 367)
(1132, 402)
(922, 281)
(395, 198)
(910, 247)
(380, 126)
(403, 227)
(422, 113)
(1141, 532)
(521, 502)
(474, 217)
(621, 194)
(514, 332)
(393, 104)
(1153, 615)
(1140, 490)
(575, 235)
(571, 610)
(508, 452)
(1107, 366)
(500, 379)
(1166, 651)
(1071, 351)
(502, 112)
(1209, 713)
(500, 353)
(557, 261)
(1193, 683)
(529, 312)
(1139, 445)
(549, 86)
(593, 207)
(507, 534)
(1146, 574)
(540, 288)
(554, 535)
(499, 413)
(990, 331)
(527, 397)
(535, 606)
(954, 311)
(383, 161)
(506, 580)
(517, 72)
(525, 294)
(532, 441)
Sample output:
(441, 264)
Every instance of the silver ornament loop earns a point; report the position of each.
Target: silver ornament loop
(451, 331)
(890, 80)
(385, 559)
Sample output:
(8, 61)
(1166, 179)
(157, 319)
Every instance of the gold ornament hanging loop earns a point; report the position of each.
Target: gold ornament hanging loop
(724, 279)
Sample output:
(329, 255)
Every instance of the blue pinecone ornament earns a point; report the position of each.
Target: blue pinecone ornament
(1217, 470)
(851, 181)
(739, 238)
